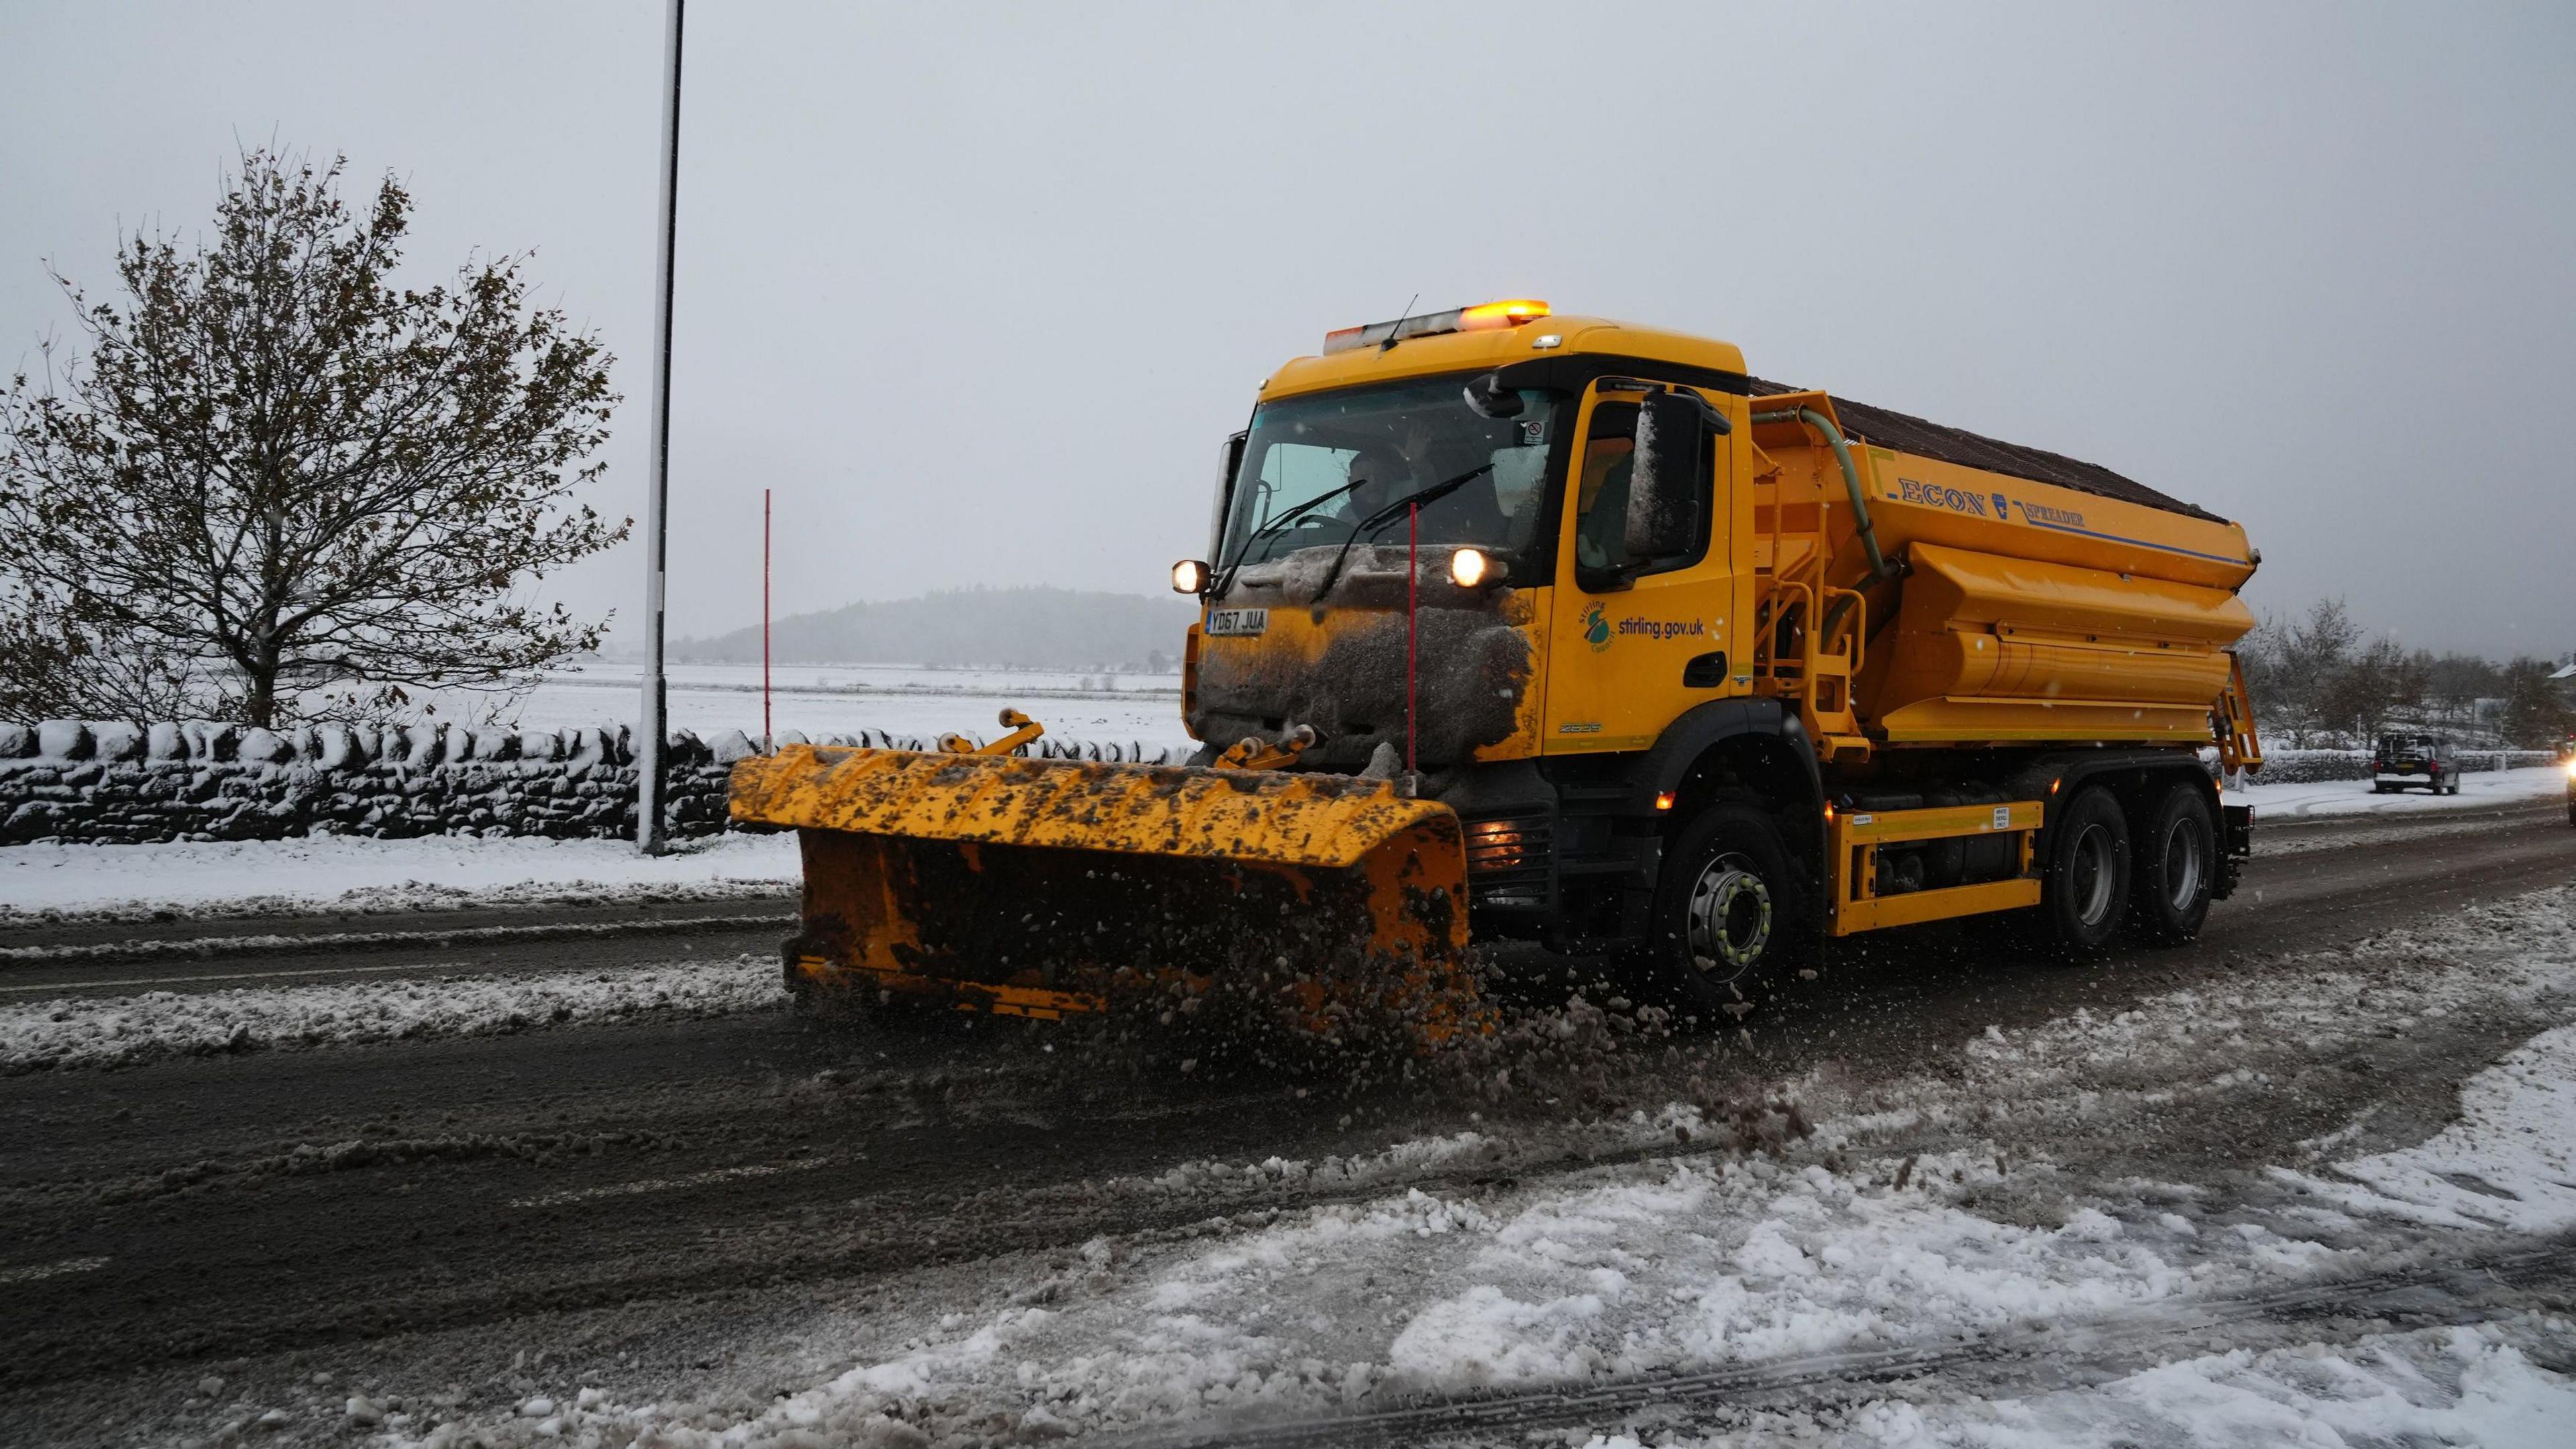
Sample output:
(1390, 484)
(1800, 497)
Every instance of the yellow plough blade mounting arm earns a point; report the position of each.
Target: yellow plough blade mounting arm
(1036, 887)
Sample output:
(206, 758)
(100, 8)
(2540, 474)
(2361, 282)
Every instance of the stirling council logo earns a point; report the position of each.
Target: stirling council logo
(1596, 630)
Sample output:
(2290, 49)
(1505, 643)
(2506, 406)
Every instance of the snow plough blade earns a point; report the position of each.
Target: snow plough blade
(1048, 888)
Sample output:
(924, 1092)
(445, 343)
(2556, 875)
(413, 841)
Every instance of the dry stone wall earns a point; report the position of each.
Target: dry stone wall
(117, 782)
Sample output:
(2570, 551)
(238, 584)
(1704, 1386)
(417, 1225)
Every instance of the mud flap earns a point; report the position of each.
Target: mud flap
(2235, 847)
(1048, 888)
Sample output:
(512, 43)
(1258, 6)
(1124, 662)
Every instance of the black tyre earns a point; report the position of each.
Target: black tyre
(2176, 866)
(2087, 892)
(1731, 915)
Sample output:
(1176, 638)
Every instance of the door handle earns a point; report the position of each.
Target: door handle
(1708, 671)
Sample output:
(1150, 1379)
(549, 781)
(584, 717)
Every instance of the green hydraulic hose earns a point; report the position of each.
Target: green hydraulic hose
(1878, 568)
(1851, 477)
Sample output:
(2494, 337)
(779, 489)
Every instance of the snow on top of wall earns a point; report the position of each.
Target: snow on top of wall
(336, 746)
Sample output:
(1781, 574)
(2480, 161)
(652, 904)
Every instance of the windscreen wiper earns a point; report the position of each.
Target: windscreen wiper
(1273, 526)
(1393, 511)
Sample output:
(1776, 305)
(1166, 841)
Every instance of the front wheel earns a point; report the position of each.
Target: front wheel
(1730, 917)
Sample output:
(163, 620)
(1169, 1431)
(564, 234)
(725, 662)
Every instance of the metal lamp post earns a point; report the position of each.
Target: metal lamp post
(654, 730)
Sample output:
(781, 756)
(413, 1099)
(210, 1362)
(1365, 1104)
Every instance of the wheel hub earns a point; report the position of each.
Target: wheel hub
(1730, 916)
(2093, 870)
(2182, 866)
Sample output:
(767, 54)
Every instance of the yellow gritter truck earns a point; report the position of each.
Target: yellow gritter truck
(1558, 628)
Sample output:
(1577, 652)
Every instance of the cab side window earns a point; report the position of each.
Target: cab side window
(1601, 497)
(1601, 490)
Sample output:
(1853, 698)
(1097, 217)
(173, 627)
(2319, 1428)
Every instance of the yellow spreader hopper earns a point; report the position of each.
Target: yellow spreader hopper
(1044, 888)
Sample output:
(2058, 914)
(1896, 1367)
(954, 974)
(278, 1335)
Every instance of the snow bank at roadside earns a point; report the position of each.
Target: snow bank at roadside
(2456, 1386)
(125, 1030)
(2355, 797)
(1681, 1264)
(2465, 1386)
(358, 874)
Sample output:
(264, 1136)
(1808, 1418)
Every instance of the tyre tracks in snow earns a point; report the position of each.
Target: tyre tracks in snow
(2066, 1354)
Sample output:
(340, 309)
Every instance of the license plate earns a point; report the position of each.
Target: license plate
(1238, 621)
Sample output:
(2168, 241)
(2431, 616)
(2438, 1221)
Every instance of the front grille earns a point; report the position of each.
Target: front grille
(1508, 858)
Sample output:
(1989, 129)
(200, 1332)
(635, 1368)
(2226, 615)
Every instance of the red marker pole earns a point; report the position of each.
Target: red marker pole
(1412, 612)
(766, 733)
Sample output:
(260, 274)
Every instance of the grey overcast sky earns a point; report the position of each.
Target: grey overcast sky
(978, 290)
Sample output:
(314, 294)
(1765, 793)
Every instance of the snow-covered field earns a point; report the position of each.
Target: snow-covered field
(1933, 1214)
(898, 699)
(2355, 797)
(354, 873)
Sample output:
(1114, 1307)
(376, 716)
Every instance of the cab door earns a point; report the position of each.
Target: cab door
(1634, 642)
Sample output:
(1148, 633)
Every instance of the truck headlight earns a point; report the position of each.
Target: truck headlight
(1470, 567)
(1189, 576)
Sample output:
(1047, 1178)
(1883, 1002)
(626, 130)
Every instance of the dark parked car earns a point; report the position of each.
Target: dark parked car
(2403, 760)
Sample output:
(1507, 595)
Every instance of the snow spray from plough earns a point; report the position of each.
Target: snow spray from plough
(995, 882)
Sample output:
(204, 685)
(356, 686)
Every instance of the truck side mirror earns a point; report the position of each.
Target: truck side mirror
(1668, 482)
(1230, 463)
(1491, 399)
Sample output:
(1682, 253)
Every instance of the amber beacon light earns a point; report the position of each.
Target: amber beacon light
(1483, 317)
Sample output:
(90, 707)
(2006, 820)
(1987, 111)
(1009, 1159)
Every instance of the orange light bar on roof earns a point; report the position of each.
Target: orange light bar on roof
(1483, 317)
(1486, 316)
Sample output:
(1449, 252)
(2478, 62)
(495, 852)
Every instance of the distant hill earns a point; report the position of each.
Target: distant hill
(1036, 628)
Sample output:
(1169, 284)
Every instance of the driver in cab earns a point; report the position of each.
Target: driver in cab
(1380, 475)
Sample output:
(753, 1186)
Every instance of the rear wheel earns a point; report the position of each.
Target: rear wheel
(2088, 873)
(1730, 915)
(2176, 866)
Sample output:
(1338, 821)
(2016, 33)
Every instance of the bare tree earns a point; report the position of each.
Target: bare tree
(2536, 715)
(2264, 655)
(277, 474)
(2456, 682)
(2291, 666)
(2378, 680)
